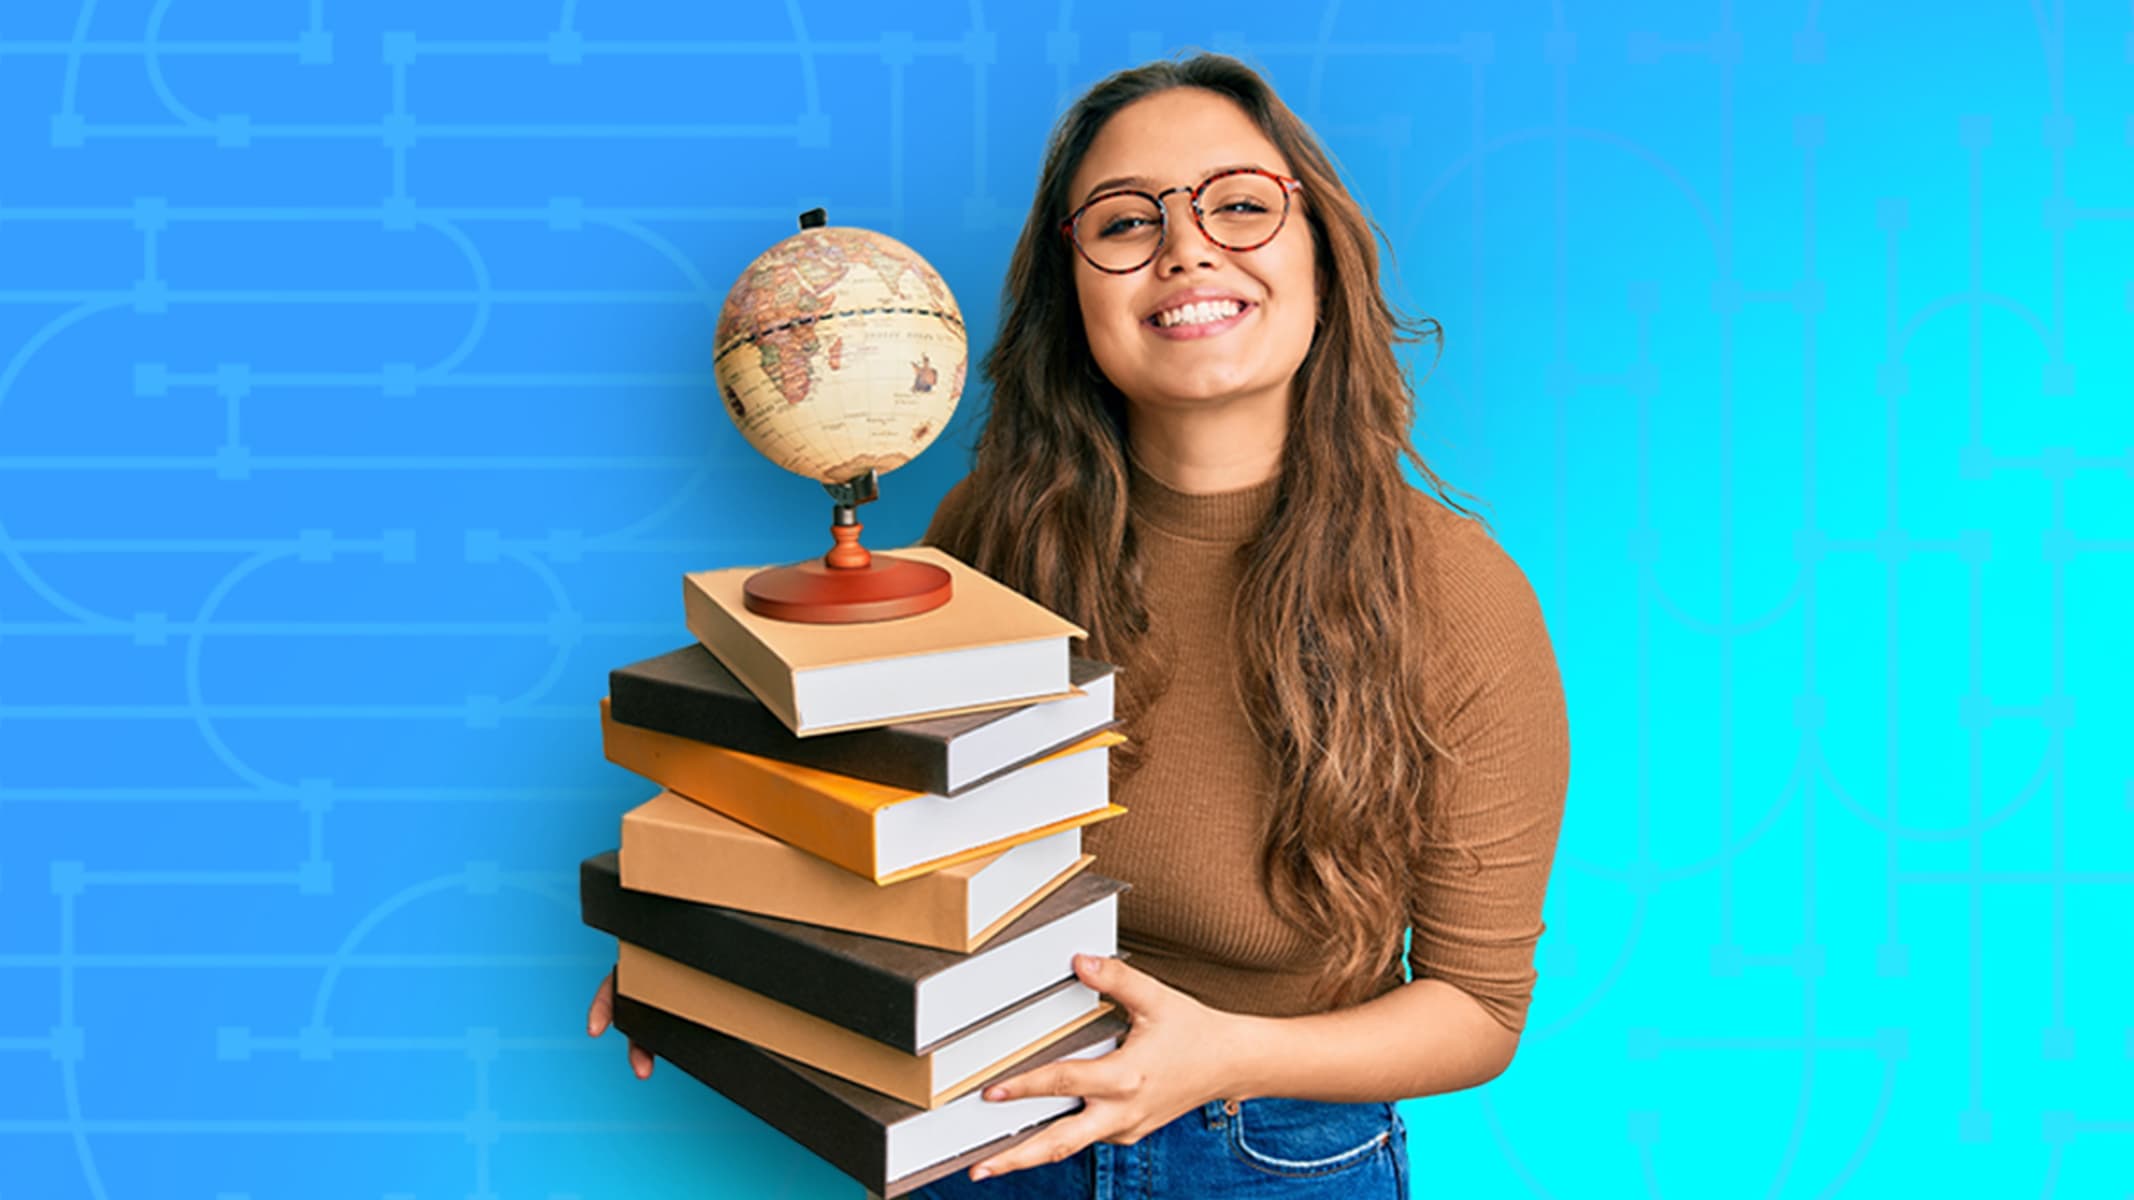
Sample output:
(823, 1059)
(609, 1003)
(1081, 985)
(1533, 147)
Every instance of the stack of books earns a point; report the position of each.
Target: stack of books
(857, 898)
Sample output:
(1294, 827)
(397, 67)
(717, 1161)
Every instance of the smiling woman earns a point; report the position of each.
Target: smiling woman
(1346, 718)
(1346, 725)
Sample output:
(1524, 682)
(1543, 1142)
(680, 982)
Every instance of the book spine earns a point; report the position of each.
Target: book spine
(749, 952)
(751, 1078)
(716, 779)
(898, 758)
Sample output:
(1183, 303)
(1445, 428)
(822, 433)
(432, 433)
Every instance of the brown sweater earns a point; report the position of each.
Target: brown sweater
(1198, 916)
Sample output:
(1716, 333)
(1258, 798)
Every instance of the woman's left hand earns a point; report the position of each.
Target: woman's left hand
(1172, 1061)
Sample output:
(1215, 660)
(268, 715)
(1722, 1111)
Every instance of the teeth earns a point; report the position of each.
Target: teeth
(1199, 314)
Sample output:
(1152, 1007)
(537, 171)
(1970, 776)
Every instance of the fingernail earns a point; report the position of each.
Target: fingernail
(995, 1093)
(978, 1173)
(1082, 962)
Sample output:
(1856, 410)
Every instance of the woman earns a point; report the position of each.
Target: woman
(1346, 717)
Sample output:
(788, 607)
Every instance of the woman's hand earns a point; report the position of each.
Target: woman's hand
(596, 1023)
(1172, 1062)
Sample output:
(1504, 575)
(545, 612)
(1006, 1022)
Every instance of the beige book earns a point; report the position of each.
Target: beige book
(948, 1070)
(676, 847)
(988, 647)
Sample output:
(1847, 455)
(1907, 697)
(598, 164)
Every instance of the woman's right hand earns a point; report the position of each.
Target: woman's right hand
(596, 1023)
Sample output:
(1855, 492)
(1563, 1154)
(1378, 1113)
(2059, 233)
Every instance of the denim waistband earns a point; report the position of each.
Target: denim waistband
(1267, 1148)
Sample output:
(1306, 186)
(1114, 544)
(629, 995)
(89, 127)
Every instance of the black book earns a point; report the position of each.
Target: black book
(889, 1146)
(689, 693)
(910, 997)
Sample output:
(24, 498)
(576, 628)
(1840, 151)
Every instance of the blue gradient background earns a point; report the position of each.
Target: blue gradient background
(355, 419)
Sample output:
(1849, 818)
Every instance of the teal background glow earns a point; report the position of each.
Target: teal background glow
(355, 419)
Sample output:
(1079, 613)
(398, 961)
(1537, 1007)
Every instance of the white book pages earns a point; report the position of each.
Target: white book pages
(854, 693)
(998, 744)
(968, 1055)
(994, 978)
(1014, 875)
(933, 826)
(926, 1138)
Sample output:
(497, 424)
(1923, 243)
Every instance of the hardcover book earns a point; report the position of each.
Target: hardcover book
(888, 1146)
(924, 1080)
(987, 647)
(887, 834)
(691, 694)
(910, 997)
(677, 847)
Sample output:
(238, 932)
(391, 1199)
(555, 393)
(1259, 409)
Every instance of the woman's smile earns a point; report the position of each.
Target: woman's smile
(1200, 319)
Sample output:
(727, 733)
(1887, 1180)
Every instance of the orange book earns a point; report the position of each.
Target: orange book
(885, 833)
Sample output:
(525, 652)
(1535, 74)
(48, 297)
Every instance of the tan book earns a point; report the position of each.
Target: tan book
(928, 1080)
(885, 833)
(889, 1147)
(988, 647)
(676, 847)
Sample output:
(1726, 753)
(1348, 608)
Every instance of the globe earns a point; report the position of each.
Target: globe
(840, 356)
(840, 351)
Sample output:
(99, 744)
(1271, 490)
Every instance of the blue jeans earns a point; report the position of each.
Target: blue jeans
(1267, 1148)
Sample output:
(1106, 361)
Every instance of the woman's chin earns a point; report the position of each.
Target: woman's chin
(1207, 395)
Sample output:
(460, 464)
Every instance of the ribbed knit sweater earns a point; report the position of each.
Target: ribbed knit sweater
(1198, 916)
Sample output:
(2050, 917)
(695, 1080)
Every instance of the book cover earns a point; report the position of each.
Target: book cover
(689, 693)
(909, 997)
(987, 647)
(886, 834)
(677, 847)
(888, 1146)
(924, 1080)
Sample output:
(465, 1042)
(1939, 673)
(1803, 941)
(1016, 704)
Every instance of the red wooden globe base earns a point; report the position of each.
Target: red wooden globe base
(846, 586)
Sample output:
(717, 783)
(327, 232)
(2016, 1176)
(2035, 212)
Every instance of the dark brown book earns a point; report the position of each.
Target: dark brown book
(906, 996)
(889, 1146)
(691, 694)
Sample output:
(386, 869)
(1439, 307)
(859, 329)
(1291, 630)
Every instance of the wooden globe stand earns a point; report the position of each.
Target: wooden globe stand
(849, 584)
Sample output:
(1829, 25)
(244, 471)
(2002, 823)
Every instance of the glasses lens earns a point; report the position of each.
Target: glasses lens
(1119, 232)
(1241, 211)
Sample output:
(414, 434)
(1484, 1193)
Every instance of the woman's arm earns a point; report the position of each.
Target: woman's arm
(1417, 1040)
(1420, 1039)
(1496, 707)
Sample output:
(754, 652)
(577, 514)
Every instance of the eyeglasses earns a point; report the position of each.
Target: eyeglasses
(1240, 209)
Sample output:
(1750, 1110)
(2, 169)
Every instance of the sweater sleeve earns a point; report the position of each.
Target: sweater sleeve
(1495, 704)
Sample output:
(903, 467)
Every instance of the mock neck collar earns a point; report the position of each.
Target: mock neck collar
(1232, 516)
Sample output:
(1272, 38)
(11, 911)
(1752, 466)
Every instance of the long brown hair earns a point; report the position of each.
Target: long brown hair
(1327, 662)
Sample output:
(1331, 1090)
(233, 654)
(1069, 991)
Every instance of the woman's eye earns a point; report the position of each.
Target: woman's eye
(1122, 225)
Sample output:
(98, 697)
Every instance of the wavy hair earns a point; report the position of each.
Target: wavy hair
(1328, 664)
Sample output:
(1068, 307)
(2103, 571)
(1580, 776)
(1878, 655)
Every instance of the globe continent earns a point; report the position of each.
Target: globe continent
(840, 350)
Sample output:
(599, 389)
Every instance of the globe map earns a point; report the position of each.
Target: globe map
(840, 350)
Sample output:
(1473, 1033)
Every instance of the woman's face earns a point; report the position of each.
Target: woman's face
(1179, 138)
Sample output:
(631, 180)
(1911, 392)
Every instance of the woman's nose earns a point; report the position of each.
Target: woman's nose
(1183, 241)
